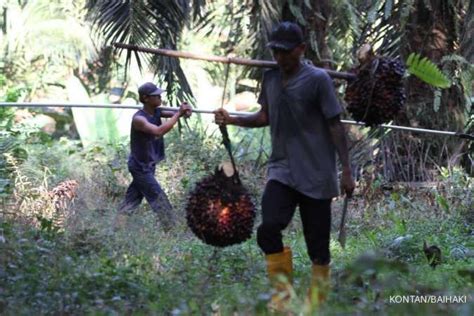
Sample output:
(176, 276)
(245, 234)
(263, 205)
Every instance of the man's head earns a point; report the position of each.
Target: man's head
(286, 36)
(287, 44)
(149, 92)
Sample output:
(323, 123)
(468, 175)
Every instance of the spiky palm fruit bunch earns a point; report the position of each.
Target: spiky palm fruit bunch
(64, 194)
(377, 94)
(220, 211)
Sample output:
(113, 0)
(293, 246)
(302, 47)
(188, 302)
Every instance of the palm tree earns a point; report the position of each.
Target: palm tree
(42, 42)
(150, 24)
(334, 30)
(434, 30)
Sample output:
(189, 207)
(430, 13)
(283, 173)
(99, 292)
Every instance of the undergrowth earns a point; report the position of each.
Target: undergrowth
(82, 263)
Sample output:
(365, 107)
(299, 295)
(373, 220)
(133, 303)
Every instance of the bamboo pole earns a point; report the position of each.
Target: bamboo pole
(273, 64)
(225, 60)
(204, 111)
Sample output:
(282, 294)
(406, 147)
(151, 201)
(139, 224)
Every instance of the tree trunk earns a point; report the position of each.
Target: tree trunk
(432, 32)
(467, 44)
(467, 51)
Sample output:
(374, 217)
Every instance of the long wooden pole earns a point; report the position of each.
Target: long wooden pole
(220, 59)
(203, 111)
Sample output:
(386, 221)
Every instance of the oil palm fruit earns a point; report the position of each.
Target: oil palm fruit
(377, 93)
(220, 211)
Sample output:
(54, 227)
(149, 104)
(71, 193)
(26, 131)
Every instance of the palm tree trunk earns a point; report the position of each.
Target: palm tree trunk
(467, 44)
(467, 51)
(432, 32)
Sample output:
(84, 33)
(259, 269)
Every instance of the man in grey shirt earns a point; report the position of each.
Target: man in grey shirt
(298, 101)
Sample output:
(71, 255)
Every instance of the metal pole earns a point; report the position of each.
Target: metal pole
(103, 106)
(67, 105)
(203, 111)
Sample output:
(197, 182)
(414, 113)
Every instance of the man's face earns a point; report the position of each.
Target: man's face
(288, 60)
(154, 100)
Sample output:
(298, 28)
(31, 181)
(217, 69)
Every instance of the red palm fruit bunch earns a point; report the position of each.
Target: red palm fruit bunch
(377, 94)
(220, 211)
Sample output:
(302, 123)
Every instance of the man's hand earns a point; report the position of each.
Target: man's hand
(347, 183)
(221, 117)
(185, 110)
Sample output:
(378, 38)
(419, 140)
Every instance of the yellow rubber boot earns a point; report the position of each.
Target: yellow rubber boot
(280, 273)
(320, 284)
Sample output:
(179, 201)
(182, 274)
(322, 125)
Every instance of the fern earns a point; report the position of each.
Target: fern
(425, 70)
(463, 71)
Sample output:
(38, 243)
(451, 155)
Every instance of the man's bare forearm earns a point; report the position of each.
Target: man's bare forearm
(338, 136)
(258, 119)
(167, 114)
(165, 127)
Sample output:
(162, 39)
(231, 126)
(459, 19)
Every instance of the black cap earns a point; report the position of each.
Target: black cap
(149, 88)
(286, 35)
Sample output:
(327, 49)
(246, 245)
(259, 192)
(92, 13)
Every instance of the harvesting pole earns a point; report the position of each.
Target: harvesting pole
(239, 113)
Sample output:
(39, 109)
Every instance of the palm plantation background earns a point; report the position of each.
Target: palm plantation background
(60, 253)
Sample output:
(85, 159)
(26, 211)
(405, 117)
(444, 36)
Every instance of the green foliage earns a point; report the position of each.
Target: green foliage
(462, 73)
(140, 269)
(126, 22)
(427, 71)
(8, 93)
(89, 265)
(94, 125)
(11, 135)
(43, 42)
(47, 227)
(345, 32)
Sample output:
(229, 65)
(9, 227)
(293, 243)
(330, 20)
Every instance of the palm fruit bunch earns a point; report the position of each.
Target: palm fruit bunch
(377, 93)
(220, 211)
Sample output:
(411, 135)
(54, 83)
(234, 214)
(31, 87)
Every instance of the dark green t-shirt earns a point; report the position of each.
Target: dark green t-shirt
(303, 155)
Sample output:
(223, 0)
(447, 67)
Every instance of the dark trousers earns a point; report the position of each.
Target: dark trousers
(144, 185)
(278, 207)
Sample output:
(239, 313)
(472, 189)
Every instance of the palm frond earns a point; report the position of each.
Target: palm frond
(345, 29)
(130, 22)
(146, 23)
(297, 9)
(43, 41)
(382, 24)
(264, 15)
(425, 70)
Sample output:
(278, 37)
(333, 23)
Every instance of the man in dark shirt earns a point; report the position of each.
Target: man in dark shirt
(147, 149)
(298, 101)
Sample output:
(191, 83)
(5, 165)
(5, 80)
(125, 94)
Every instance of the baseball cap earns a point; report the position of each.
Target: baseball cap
(286, 35)
(149, 88)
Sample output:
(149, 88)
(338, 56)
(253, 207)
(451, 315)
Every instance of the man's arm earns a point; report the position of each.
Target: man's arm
(259, 119)
(141, 124)
(338, 136)
(185, 105)
(167, 114)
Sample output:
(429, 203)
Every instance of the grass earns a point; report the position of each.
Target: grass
(78, 263)
(140, 269)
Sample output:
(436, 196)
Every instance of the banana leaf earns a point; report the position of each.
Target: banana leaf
(97, 125)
